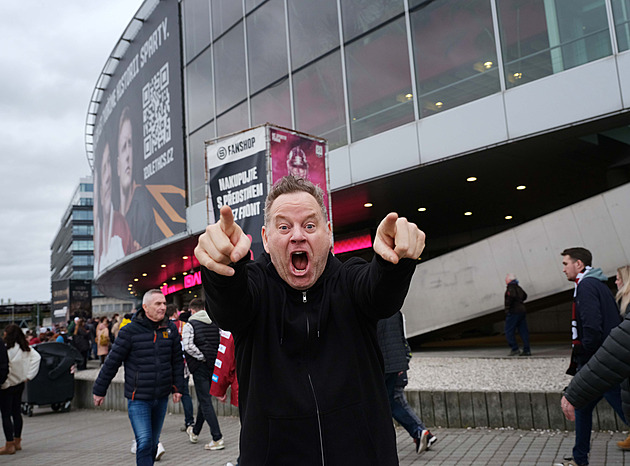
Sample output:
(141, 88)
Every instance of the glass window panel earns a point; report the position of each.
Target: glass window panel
(234, 120)
(455, 54)
(319, 102)
(197, 163)
(266, 45)
(199, 91)
(621, 13)
(229, 69)
(379, 81)
(225, 13)
(251, 4)
(359, 16)
(540, 37)
(272, 105)
(313, 28)
(196, 26)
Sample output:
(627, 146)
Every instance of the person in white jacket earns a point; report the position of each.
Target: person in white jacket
(23, 366)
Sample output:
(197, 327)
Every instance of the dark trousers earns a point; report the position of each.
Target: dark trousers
(189, 418)
(10, 401)
(518, 322)
(584, 423)
(401, 411)
(202, 378)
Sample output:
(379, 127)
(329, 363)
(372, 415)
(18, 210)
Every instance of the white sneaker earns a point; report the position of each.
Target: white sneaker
(215, 445)
(133, 448)
(160, 452)
(191, 436)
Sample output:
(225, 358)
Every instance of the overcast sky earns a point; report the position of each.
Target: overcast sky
(51, 56)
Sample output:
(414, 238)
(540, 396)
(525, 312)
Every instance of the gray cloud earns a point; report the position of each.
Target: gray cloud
(52, 55)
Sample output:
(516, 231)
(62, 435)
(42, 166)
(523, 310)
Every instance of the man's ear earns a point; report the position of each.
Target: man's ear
(263, 234)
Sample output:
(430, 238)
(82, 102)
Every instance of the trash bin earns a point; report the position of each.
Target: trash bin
(54, 383)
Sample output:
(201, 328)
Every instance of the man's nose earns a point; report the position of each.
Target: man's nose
(298, 234)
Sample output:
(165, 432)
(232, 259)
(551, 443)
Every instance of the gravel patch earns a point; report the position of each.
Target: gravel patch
(488, 374)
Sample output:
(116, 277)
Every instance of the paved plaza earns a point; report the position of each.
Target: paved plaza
(99, 437)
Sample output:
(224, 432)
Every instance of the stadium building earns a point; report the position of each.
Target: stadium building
(499, 126)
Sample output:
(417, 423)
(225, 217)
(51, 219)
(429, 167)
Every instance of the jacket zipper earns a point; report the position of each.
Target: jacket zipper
(310, 381)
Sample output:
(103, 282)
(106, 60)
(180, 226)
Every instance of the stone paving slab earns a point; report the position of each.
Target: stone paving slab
(100, 437)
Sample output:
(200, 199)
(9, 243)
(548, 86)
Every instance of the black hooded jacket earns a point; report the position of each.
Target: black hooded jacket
(152, 354)
(310, 372)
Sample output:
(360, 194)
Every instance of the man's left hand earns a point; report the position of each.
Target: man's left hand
(177, 397)
(568, 409)
(396, 238)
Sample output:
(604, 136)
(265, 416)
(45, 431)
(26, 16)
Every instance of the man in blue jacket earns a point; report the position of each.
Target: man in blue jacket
(151, 350)
(594, 315)
(310, 371)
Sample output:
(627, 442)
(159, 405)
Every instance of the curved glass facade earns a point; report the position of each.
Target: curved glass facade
(346, 70)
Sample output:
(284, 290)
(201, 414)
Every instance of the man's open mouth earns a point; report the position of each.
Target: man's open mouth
(299, 260)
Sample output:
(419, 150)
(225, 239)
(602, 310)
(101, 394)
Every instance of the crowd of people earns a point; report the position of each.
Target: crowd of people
(319, 344)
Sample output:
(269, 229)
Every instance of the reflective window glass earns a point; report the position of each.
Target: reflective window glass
(272, 105)
(229, 69)
(379, 81)
(196, 26)
(235, 120)
(539, 38)
(313, 29)
(196, 162)
(199, 101)
(621, 13)
(251, 4)
(225, 14)
(266, 45)
(359, 16)
(455, 54)
(319, 102)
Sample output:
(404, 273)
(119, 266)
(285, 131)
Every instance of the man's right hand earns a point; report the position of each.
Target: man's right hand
(98, 400)
(222, 244)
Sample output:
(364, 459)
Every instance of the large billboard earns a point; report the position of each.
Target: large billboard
(71, 298)
(242, 167)
(139, 181)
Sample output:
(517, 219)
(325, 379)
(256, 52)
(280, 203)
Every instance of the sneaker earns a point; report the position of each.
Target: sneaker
(568, 461)
(421, 443)
(514, 352)
(191, 435)
(432, 439)
(215, 445)
(133, 448)
(160, 452)
(624, 444)
(525, 353)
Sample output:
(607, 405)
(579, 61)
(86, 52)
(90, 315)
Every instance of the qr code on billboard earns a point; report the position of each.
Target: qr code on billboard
(156, 112)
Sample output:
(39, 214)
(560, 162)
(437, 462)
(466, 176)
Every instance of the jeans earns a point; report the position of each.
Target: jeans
(189, 418)
(202, 378)
(584, 423)
(10, 401)
(518, 322)
(146, 419)
(401, 411)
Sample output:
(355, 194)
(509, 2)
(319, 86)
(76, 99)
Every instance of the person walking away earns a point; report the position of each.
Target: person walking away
(304, 324)
(201, 342)
(189, 418)
(150, 349)
(23, 365)
(515, 316)
(594, 315)
(81, 341)
(102, 339)
(395, 349)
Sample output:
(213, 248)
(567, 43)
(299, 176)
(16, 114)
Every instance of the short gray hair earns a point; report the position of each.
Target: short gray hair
(510, 277)
(148, 294)
(291, 184)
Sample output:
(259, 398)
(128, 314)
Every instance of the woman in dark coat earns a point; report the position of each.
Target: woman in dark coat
(81, 341)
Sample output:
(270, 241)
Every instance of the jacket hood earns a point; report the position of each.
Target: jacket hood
(201, 316)
(595, 273)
